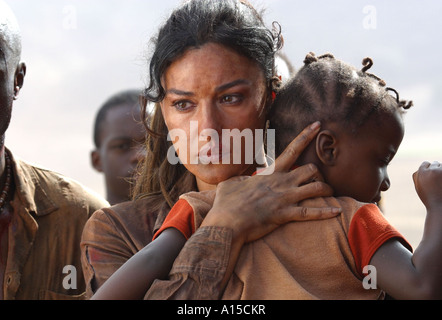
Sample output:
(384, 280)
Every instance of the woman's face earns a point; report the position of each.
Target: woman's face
(210, 91)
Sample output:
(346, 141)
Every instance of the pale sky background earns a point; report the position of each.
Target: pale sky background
(80, 52)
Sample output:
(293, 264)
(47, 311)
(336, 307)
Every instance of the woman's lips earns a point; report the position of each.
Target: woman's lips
(213, 154)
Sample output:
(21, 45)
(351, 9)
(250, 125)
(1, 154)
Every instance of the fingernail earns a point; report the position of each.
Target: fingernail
(315, 125)
(336, 210)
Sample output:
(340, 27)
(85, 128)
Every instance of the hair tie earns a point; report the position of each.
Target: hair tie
(275, 83)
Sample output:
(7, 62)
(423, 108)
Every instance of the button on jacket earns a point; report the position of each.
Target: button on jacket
(49, 213)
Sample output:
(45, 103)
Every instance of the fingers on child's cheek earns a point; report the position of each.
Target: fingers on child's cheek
(320, 189)
(312, 190)
(316, 174)
(292, 152)
(305, 174)
(286, 160)
(299, 145)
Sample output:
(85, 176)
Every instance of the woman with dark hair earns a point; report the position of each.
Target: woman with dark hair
(212, 71)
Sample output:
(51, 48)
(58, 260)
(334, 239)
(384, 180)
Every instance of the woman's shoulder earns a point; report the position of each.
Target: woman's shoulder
(133, 220)
(141, 210)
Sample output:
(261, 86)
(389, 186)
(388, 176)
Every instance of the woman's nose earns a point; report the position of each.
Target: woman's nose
(208, 120)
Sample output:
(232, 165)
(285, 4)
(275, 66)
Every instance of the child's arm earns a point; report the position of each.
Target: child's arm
(404, 275)
(134, 278)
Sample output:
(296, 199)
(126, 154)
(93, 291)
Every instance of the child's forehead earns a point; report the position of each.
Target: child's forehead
(386, 128)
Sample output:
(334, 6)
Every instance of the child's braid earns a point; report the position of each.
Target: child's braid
(327, 89)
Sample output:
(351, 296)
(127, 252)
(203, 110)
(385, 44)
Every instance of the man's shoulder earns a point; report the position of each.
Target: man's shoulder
(57, 186)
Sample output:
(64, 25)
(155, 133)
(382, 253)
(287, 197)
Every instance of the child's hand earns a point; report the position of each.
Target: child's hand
(428, 184)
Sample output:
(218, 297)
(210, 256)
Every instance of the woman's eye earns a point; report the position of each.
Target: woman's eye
(231, 99)
(183, 105)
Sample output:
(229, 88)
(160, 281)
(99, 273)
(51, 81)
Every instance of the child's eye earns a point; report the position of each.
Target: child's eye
(385, 161)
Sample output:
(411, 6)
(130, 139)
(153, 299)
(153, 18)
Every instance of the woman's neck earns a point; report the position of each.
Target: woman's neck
(203, 186)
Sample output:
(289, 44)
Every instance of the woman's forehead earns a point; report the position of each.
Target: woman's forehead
(211, 63)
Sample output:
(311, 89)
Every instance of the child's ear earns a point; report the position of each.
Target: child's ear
(326, 147)
(96, 160)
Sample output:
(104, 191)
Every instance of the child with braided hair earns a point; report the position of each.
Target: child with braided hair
(354, 107)
(361, 130)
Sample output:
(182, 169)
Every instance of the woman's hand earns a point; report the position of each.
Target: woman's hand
(255, 206)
